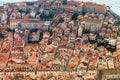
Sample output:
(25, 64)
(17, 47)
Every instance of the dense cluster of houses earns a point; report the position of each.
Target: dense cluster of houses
(60, 49)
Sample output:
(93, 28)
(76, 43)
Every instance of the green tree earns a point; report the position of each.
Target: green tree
(61, 20)
(75, 15)
(2, 36)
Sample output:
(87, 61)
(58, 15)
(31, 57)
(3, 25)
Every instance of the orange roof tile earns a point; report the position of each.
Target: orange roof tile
(33, 57)
(19, 41)
(7, 77)
(2, 30)
(72, 3)
(32, 47)
(99, 6)
(4, 57)
(26, 20)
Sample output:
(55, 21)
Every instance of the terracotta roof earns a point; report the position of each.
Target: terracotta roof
(72, 3)
(87, 76)
(56, 18)
(99, 6)
(32, 47)
(4, 58)
(92, 66)
(16, 56)
(19, 42)
(72, 35)
(2, 30)
(33, 57)
(20, 4)
(9, 36)
(17, 49)
(6, 46)
(26, 20)
(7, 77)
